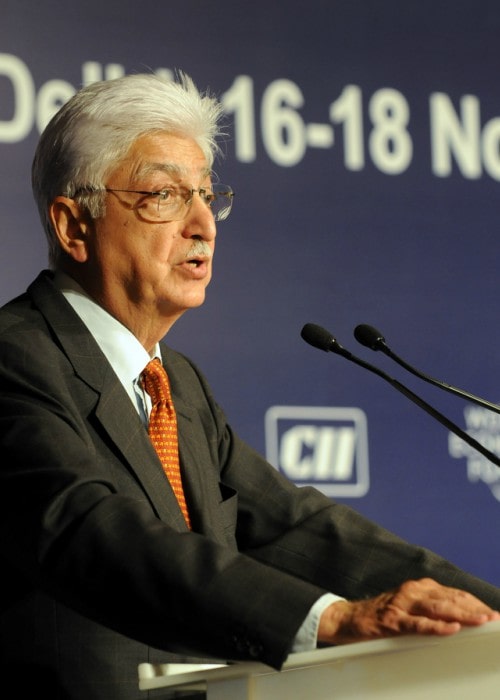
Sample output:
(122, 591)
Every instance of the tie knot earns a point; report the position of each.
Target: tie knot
(155, 382)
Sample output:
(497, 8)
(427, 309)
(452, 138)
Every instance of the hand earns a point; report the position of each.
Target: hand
(415, 607)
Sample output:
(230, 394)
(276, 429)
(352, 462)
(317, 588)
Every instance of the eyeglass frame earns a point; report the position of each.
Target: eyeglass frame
(229, 194)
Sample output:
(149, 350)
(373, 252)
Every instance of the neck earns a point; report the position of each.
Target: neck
(146, 322)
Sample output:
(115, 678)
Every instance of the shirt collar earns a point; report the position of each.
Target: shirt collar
(120, 346)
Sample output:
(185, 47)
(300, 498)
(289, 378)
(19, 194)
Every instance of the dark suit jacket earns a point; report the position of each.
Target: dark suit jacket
(101, 571)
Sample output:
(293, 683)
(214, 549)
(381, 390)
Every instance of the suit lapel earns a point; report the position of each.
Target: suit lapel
(114, 409)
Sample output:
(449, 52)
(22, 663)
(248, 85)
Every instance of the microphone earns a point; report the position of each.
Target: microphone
(322, 339)
(371, 338)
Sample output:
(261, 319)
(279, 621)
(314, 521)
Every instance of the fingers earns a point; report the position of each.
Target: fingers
(430, 599)
(415, 607)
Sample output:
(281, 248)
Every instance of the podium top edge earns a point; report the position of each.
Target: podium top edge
(317, 657)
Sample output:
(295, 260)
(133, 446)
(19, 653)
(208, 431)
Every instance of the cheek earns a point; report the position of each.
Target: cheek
(152, 259)
(140, 251)
(160, 246)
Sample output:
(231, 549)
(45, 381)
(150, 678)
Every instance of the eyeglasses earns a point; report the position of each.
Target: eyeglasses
(174, 203)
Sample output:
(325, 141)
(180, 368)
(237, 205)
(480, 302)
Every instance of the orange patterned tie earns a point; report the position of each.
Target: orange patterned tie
(163, 428)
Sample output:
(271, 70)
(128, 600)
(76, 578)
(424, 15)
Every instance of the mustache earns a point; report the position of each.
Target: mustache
(199, 248)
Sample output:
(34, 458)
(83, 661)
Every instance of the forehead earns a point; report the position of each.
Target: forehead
(179, 157)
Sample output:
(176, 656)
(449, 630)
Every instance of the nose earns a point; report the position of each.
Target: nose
(199, 221)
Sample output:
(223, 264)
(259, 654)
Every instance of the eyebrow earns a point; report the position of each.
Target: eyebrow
(172, 169)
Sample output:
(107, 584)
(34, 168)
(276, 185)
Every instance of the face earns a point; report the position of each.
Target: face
(147, 273)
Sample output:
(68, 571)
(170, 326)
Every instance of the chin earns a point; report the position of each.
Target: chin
(194, 301)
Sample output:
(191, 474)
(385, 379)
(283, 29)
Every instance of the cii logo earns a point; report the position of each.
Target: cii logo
(319, 446)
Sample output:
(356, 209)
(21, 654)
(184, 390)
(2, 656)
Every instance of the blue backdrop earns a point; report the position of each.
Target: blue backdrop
(363, 141)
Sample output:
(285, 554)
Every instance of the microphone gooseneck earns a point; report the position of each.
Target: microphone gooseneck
(371, 338)
(322, 339)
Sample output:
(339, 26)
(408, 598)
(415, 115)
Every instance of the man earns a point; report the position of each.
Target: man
(106, 568)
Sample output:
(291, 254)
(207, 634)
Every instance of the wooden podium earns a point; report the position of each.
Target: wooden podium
(464, 666)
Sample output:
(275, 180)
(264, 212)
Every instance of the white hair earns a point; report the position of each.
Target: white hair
(93, 132)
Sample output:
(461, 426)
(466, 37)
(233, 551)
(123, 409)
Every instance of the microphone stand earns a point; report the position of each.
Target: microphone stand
(320, 338)
(371, 338)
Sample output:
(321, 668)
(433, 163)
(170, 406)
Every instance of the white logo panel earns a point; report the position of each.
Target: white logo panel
(484, 426)
(320, 446)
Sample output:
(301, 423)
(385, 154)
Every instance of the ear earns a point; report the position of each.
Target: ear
(72, 227)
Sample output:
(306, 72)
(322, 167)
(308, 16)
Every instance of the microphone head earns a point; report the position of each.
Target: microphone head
(318, 337)
(369, 336)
